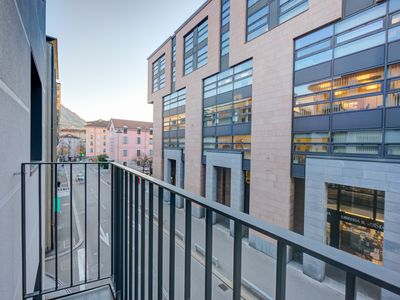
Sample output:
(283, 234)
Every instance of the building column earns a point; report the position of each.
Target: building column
(232, 161)
(177, 156)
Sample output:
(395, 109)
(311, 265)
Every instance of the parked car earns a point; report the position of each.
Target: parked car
(80, 178)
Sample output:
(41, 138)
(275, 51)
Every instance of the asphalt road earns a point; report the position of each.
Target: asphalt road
(91, 241)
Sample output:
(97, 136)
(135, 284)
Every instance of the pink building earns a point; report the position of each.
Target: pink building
(130, 141)
(96, 138)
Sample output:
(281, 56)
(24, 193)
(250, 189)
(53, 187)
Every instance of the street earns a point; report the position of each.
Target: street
(258, 269)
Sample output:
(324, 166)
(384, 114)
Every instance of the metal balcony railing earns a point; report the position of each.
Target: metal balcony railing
(131, 258)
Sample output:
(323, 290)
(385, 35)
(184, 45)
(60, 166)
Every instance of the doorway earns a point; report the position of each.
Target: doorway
(223, 192)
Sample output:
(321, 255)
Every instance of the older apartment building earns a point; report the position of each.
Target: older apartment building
(287, 110)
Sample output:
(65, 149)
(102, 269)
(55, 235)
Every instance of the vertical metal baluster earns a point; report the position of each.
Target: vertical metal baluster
(56, 222)
(208, 267)
(143, 237)
(350, 287)
(281, 252)
(98, 222)
(136, 237)
(172, 246)
(188, 247)
(121, 234)
(112, 217)
(70, 226)
(126, 231)
(160, 243)
(40, 227)
(237, 261)
(150, 263)
(23, 230)
(130, 235)
(86, 262)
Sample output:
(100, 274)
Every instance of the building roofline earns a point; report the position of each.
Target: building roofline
(181, 26)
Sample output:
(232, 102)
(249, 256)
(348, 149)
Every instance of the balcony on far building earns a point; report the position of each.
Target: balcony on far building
(105, 231)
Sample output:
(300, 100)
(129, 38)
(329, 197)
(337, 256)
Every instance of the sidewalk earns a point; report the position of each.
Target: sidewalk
(258, 269)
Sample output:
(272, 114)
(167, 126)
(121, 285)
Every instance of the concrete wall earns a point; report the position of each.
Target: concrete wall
(22, 29)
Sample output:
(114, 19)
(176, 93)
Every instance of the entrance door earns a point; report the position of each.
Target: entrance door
(223, 192)
(173, 171)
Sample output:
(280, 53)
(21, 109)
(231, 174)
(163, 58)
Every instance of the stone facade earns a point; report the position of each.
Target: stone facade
(378, 175)
(272, 189)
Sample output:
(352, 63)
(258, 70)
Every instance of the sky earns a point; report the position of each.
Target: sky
(103, 50)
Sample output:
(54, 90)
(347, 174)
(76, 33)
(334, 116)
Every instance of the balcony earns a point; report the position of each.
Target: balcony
(105, 231)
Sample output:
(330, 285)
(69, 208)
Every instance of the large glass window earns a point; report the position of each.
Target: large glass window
(290, 8)
(196, 48)
(257, 18)
(312, 142)
(174, 119)
(360, 32)
(227, 101)
(357, 142)
(159, 74)
(356, 221)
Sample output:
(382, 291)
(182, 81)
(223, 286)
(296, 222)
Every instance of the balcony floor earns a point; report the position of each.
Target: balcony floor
(102, 293)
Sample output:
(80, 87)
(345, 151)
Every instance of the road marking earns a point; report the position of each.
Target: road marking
(104, 237)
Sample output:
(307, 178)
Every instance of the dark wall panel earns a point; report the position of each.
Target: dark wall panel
(225, 97)
(209, 131)
(241, 129)
(298, 171)
(314, 73)
(352, 6)
(242, 93)
(224, 130)
(317, 123)
(393, 117)
(357, 120)
(394, 51)
(362, 60)
(210, 101)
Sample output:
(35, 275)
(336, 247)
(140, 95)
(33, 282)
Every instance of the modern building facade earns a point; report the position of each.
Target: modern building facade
(96, 138)
(28, 132)
(289, 111)
(130, 141)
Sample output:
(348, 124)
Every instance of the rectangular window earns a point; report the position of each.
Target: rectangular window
(138, 140)
(125, 140)
(394, 34)
(138, 153)
(174, 121)
(312, 110)
(159, 74)
(257, 19)
(361, 44)
(196, 48)
(124, 153)
(365, 103)
(290, 8)
(357, 142)
(356, 214)
(392, 141)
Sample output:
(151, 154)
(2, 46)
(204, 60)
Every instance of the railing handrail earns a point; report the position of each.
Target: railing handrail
(373, 273)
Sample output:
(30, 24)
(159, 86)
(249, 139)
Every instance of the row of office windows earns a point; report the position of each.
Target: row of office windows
(225, 27)
(196, 48)
(365, 30)
(236, 107)
(365, 142)
(240, 143)
(174, 142)
(352, 92)
(174, 119)
(159, 74)
(196, 41)
(227, 100)
(259, 14)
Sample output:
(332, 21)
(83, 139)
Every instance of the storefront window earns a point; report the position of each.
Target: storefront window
(355, 221)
